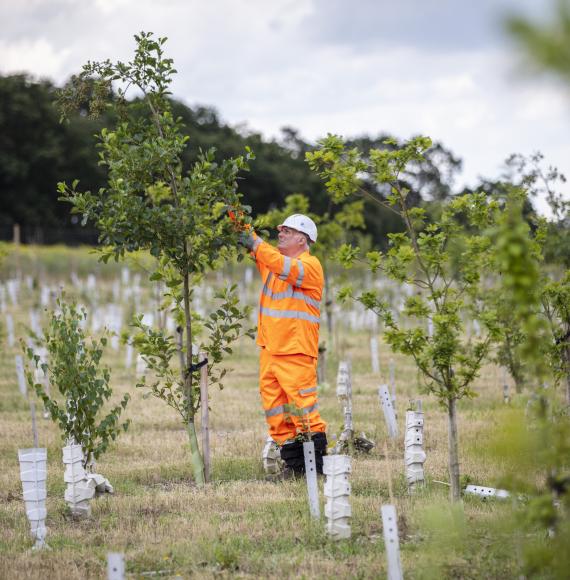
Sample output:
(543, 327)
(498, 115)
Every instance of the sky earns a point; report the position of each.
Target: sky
(443, 68)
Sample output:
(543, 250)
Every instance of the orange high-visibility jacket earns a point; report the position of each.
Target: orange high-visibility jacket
(289, 307)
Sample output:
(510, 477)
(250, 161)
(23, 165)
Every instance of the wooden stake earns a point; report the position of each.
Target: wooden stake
(205, 416)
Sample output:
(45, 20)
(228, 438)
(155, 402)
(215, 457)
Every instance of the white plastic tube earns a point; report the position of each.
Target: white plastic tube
(271, 457)
(388, 409)
(344, 393)
(391, 541)
(414, 454)
(80, 490)
(338, 512)
(33, 474)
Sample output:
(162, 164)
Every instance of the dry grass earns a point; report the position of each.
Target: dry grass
(240, 525)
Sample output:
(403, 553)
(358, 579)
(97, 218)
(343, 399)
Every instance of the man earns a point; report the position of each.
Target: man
(288, 334)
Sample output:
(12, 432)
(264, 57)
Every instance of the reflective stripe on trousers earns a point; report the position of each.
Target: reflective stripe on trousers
(288, 388)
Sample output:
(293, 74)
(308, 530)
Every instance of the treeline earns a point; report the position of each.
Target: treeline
(37, 151)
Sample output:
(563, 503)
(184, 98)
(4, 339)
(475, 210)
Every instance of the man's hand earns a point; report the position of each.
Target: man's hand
(246, 240)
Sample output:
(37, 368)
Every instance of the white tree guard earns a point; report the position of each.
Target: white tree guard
(248, 276)
(476, 328)
(115, 566)
(141, 366)
(374, 357)
(344, 393)
(125, 276)
(393, 383)
(22, 385)
(337, 492)
(82, 487)
(311, 477)
(388, 409)
(13, 286)
(2, 298)
(129, 356)
(45, 296)
(35, 323)
(429, 326)
(486, 492)
(391, 541)
(414, 454)
(33, 474)
(271, 457)
(10, 330)
(79, 491)
(91, 282)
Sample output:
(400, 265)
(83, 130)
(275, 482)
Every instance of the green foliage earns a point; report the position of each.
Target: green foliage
(225, 326)
(555, 299)
(74, 368)
(534, 448)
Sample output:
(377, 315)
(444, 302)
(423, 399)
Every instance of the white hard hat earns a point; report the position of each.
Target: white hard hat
(301, 223)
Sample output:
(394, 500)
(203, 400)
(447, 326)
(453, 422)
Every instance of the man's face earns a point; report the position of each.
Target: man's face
(290, 242)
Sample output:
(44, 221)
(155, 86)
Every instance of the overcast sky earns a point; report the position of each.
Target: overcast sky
(444, 68)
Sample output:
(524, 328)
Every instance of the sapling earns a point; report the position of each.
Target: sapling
(151, 204)
(535, 446)
(74, 368)
(443, 260)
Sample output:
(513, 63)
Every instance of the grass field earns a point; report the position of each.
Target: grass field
(241, 526)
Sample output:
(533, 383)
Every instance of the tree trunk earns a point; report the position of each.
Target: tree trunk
(455, 494)
(197, 461)
(567, 368)
(515, 367)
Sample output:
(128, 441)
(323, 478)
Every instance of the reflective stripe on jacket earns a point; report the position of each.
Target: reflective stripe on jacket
(289, 306)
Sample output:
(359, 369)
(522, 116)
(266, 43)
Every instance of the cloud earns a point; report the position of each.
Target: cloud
(35, 56)
(439, 67)
(435, 25)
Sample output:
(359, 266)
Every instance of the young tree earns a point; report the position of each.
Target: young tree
(74, 368)
(536, 444)
(444, 261)
(150, 204)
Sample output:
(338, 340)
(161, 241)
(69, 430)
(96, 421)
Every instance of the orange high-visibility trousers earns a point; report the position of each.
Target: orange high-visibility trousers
(288, 388)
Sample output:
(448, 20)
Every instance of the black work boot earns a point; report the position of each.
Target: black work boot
(320, 442)
(294, 459)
